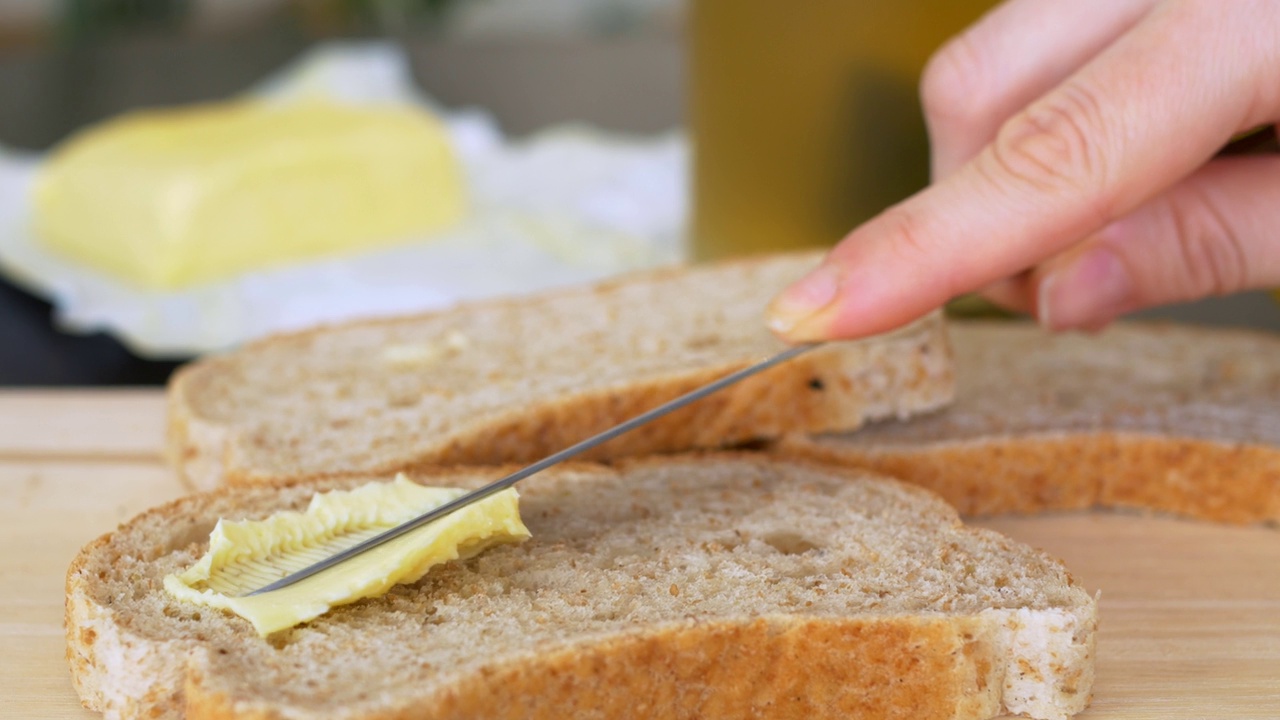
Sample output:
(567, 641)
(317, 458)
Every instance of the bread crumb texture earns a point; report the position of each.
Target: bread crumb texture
(1165, 418)
(723, 586)
(515, 380)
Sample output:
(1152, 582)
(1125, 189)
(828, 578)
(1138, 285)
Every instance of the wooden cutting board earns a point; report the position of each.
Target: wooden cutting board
(1190, 611)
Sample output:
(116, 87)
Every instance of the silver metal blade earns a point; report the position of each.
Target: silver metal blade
(515, 477)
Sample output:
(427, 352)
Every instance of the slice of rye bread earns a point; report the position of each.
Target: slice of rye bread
(512, 381)
(1174, 419)
(721, 586)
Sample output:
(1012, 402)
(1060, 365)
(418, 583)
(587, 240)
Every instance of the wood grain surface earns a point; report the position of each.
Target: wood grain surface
(1190, 611)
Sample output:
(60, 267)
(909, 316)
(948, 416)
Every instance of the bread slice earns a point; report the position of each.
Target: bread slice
(722, 586)
(515, 380)
(1169, 418)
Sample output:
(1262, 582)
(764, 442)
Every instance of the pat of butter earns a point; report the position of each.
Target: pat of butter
(419, 355)
(172, 198)
(244, 556)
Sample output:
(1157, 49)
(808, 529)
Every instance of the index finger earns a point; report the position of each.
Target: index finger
(1141, 115)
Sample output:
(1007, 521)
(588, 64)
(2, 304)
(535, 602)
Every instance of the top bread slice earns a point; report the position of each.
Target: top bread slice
(515, 380)
(721, 586)
(1175, 419)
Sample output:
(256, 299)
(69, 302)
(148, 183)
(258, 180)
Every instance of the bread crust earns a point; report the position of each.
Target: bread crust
(786, 666)
(1203, 479)
(1145, 417)
(113, 670)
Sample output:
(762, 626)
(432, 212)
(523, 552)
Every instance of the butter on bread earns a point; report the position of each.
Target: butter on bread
(514, 380)
(169, 198)
(722, 586)
(247, 555)
(1158, 417)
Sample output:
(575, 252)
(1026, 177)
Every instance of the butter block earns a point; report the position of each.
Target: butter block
(246, 555)
(170, 198)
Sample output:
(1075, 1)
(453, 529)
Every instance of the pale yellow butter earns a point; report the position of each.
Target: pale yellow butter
(171, 198)
(244, 556)
(420, 355)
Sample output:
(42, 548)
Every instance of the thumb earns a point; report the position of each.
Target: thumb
(1216, 232)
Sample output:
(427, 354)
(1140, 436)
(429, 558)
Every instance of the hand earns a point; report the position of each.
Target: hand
(1074, 168)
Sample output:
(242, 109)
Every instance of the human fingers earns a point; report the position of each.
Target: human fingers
(1013, 55)
(1224, 190)
(1140, 116)
(1215, 233)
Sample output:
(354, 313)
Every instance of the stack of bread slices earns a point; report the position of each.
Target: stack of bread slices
(746, 557)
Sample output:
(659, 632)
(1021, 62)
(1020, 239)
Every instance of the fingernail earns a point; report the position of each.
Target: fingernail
(803, 299)
(1090, 291)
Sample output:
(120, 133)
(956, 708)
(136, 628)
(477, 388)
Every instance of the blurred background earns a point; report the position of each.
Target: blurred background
(617, 63)
(802, 117)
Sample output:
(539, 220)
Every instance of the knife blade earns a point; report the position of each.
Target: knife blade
(515, 477)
